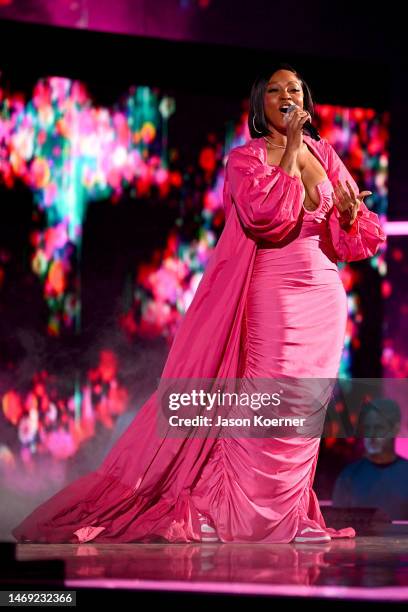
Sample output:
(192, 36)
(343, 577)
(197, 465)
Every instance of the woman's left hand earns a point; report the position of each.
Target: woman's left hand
(347, 203)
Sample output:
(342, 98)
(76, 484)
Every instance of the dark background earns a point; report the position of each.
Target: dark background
(350, 54)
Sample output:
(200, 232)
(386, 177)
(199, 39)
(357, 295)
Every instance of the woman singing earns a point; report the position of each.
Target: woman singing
(270, 304)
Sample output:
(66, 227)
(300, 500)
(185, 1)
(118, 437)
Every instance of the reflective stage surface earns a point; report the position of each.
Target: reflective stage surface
(368, 568)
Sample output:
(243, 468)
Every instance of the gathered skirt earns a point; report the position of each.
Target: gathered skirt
(296, 315)
(251, 489)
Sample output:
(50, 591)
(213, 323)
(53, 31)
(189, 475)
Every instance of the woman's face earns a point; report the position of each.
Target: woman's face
(283, 88)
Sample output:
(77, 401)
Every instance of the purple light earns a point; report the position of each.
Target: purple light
(396, 228)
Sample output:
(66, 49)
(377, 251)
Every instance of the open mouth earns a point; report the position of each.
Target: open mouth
(284, 109)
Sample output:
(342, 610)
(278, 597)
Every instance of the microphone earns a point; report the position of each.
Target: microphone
(311, 129)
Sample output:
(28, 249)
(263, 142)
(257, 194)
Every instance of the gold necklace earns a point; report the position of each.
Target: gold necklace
(275, 145)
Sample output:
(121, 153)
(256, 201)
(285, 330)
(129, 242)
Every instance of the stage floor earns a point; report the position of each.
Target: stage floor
(367, 568)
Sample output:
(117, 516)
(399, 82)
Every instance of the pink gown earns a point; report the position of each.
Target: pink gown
(270, 303)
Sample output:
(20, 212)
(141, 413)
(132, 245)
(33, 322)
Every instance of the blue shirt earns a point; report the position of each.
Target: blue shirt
(367, 484)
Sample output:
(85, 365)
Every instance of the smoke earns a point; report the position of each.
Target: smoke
(27, 482)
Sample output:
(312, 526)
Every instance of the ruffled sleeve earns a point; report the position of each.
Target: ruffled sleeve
(364, 237)
(268, 200)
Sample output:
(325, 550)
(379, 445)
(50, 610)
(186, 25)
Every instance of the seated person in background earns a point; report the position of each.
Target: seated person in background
(380, 478)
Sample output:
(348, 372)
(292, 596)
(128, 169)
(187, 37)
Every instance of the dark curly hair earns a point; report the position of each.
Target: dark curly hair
(256, 99)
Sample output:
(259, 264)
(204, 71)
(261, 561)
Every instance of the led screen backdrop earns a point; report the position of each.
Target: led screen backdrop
(109, 216)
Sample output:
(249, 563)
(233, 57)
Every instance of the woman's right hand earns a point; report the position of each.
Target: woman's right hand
(294, 127)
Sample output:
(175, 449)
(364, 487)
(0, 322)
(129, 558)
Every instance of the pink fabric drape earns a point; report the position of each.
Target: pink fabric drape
(149, 487)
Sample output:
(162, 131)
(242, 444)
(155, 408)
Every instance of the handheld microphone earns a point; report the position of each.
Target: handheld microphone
(311, 129)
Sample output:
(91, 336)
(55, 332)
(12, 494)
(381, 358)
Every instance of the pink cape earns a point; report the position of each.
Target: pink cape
(145, 487)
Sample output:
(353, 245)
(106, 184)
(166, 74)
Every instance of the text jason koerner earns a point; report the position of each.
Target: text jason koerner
(256, 420)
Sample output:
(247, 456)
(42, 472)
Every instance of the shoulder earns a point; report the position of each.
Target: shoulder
(252, 149)
(327, 153)
(328, 150)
